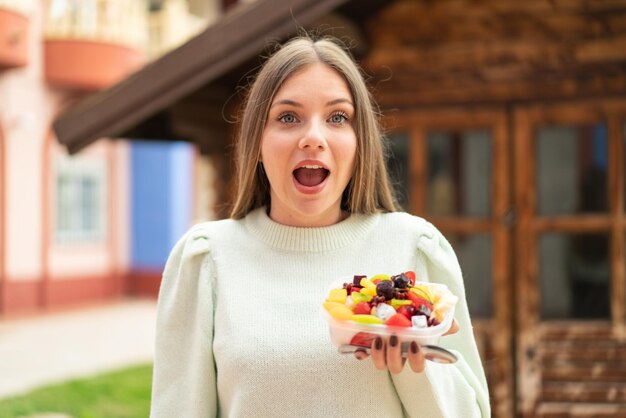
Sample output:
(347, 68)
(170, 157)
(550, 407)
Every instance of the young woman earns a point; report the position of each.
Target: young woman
(239, 331)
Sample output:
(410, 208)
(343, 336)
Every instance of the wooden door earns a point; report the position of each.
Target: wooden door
(453, 168)
(570, 259)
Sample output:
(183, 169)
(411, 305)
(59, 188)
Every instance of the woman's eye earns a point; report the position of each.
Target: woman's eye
(287, 118)
(338, 118)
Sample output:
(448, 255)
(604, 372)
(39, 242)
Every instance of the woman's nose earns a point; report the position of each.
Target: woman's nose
(313, 137)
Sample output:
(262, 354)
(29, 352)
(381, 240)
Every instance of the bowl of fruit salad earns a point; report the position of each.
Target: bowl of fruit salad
(360, 308)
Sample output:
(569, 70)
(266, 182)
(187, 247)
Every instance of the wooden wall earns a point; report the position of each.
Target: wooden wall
(462, 51)
(433, 55)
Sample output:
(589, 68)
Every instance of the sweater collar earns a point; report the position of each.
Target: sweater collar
(316, 239)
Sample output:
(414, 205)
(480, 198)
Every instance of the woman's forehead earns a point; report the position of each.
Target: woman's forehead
(317, 80)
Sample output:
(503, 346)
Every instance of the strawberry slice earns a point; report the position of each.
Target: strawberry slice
(363, 308)
(398, 320)
(407, 311)
(363, 339)
(418, 301)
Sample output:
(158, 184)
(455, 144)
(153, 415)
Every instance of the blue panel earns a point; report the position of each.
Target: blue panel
(162, 197)
(150, 204)
(181, 189)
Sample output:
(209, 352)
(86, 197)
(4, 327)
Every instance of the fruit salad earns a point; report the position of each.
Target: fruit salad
(385, 305)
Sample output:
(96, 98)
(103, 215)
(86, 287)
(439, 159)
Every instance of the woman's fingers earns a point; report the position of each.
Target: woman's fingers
(378, 353)
(416, 357)
(387, 355)
(395, 361)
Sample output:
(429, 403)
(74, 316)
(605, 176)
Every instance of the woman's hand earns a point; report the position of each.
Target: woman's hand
(388, 354)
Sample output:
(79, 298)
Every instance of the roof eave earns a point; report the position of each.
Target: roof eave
(238, 36)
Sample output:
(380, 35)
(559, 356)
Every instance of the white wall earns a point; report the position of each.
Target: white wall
(26, 108)
(101, 257)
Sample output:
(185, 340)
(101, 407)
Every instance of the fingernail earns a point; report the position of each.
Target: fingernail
(413, 347)
(378, 343)
(393, 341)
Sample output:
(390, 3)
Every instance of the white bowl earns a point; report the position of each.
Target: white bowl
(362, 334)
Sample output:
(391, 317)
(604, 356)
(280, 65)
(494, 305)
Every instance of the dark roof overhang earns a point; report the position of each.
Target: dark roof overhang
(125, 109)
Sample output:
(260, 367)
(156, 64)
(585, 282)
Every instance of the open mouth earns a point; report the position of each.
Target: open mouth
(310, 175)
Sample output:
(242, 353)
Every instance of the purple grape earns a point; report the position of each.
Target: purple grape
(400, 281)
(385, 288)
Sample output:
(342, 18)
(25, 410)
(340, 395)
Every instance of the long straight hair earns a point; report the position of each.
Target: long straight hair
(369, 189)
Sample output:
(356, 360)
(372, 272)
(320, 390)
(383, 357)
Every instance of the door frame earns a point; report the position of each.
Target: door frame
(515, 330)
(530, 329)
(494, 335)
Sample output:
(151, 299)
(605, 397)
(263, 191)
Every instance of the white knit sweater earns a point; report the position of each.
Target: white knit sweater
(239, 330)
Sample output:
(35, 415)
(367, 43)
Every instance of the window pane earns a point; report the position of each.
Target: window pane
(64, 204)
(572, 169)
(89, 204)
(574, 273)
(475, 255)
(459, 173)
(81, 199)
(398, 166)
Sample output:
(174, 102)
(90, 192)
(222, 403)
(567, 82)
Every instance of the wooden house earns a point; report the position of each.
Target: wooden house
(507, 122)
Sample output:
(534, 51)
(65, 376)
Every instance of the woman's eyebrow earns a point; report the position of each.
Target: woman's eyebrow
(340, 100)
(286, 102)
(298, 104)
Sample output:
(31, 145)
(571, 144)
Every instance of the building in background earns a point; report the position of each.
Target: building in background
(87, 227)
(507, 123)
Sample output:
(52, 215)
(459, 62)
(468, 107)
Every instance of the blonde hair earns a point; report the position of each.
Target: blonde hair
(369, 189)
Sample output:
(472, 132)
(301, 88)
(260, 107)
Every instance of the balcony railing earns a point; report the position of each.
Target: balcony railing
(122, 22)
(91, 44)
(172, 26)
(25, 7)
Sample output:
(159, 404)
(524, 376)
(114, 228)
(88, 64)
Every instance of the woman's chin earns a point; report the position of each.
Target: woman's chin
(308, 214)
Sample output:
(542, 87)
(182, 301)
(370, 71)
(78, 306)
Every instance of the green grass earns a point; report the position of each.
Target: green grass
(120, 394)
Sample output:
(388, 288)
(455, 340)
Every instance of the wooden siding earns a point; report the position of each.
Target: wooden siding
(494, 334)
(559, 360)
(462, 51)
(460, 63)
(584, 371)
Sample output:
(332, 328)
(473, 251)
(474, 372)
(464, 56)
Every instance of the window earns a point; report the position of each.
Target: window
(459, 173)
(80, 200)
(475, 254)
(572, 163)
(575, 275)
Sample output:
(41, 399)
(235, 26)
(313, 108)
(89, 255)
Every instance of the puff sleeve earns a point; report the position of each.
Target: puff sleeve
(184, 376)
(458, 390)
